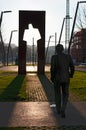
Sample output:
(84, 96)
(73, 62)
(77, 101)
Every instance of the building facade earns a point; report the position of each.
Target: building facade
(78, 47)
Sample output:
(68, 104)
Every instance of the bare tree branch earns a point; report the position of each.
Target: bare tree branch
(81, 18)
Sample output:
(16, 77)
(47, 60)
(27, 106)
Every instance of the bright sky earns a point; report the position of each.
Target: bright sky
(55, 12)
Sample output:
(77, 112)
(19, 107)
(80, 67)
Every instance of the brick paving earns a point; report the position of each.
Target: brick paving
(35, 90)
(39, 88)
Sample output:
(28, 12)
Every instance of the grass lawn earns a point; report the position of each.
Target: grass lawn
(12, 86)
(77, 85)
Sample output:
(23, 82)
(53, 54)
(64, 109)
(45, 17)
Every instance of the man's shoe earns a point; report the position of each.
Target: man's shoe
(62, 114)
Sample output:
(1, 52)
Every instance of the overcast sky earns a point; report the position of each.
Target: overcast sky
(55, 12)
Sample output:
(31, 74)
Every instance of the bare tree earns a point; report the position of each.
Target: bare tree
(81, 18)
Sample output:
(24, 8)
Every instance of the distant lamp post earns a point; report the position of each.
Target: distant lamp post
(2, 15)
(9, 45)
(3, 49)
(55, 41)
(48, 45)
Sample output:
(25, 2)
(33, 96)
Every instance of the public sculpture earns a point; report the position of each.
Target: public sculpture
(37, 19)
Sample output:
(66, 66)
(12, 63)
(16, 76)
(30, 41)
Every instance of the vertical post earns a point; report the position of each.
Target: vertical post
(73, 27)
(41, 45)
(67, 26)
(33, 52)
(9, 46)
(2, 43)
(55, 41)
(22, 59)
(48, 46)
(3, 48)
(61, 31)
(41, 57)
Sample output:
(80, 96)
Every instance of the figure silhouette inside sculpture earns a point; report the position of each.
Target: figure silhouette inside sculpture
(31, 33)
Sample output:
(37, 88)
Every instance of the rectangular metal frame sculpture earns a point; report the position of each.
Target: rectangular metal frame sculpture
(37, 19)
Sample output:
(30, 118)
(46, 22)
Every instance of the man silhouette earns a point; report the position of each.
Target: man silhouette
(62, 68)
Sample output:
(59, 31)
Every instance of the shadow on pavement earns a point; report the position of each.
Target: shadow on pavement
(76, 111)
(48, 87)
(9, 94)
(75, 115)
(6, 112)
(12, 90)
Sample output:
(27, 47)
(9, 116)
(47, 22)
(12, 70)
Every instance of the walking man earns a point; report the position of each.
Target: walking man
(62, 69)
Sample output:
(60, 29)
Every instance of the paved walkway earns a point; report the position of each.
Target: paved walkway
(41, 112)
(25, 114)
(28, 68)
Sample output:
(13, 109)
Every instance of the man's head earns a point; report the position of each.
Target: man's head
(59, 48)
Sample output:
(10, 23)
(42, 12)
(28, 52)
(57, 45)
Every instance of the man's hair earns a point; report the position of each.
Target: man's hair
(59, 48)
